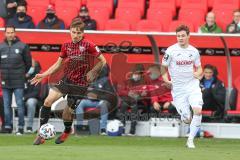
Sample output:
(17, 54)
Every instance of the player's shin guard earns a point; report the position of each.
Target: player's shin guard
(68, 126)
(195, 126)
(44, 115)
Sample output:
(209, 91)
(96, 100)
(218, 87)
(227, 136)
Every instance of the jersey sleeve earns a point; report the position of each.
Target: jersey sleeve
(166, 58)
(197, 61)
(63, 53)
(94, 50)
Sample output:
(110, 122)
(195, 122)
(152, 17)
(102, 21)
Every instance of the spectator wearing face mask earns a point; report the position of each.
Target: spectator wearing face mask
(132, 98)
(21, 19)
(51, 21)
(11, 6)
(90, 24)
(161, 99)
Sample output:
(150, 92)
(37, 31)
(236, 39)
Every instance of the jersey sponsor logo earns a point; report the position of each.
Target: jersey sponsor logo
(184, 62)
(82, 49)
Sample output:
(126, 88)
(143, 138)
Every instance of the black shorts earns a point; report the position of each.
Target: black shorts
(66, 87)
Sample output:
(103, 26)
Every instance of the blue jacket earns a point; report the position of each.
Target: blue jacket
(27, 23)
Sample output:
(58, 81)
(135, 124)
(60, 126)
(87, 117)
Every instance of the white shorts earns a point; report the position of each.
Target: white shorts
(185, 98)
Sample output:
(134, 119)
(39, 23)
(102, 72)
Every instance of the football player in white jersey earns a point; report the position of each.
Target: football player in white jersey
(184, 66)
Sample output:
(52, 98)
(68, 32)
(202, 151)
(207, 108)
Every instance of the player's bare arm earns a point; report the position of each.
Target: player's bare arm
(55, 67)
(91, 75)
(198, 73)
(164, 72)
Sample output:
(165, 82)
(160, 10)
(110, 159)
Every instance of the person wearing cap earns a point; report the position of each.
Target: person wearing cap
(51, 21)
(132, 97)
(21, 19)
(90, 24)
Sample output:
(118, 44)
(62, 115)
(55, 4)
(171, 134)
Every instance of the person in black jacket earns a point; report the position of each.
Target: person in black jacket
(101, 95)
(15, 61)
(21, 19)
(90, 24)
(213, 90)
(31, 94)
(11, 6)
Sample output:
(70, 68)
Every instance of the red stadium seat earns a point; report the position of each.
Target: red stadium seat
(132, 15)
(66, 14)
(101, 4)
(226, 4)
(149, 26)
(101, 15)
(188, 14)
(210, 3)
(1, 23)
(84, 2)
(117, 25)
(178, 3)
(207, 113)
(52, 2)
(139, 4)
(68, 3)
(163, 4)
(237, 111)
(37, 13)
(164, 16)
(193, 4)
(223, 18)
(34, 3)
(175, 24)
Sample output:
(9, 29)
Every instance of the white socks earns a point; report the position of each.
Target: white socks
(195, 126)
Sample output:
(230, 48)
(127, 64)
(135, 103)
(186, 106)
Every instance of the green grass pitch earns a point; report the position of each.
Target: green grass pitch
(117, 148)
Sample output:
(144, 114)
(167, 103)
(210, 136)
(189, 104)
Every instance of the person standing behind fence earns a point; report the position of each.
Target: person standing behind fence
(15, 61)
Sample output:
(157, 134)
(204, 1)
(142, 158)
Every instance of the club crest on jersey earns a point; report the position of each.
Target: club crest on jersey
(166, 56)
(82, 49)
(17, 51)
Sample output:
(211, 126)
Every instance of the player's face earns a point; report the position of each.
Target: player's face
(10, 34)
(76, 34)
(182, 38)
(208, 73)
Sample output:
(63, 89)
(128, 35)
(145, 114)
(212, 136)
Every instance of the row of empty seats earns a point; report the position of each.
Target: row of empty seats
(141, 4)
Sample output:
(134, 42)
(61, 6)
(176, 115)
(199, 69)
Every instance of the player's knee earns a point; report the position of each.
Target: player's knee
(186, 119)
(197, 111)
(48, 102)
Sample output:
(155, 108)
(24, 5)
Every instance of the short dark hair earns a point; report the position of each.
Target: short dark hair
(22, 3)
(9, 26)
(77, 23)
(183, 27)
(211, 67)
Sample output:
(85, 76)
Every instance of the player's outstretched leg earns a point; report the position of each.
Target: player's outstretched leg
(68, 120)
(194, 126)
(45, 112)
